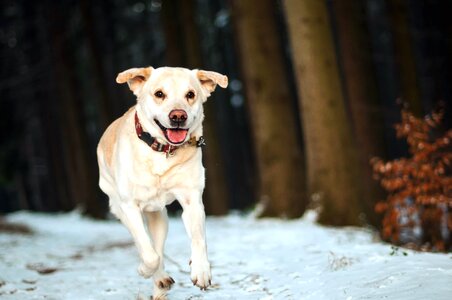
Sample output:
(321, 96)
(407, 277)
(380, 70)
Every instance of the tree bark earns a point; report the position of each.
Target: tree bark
(79, 166)
(333, 168)
(281, 178)
(104, 101)
(405, 59)
(57, 185)
(172, 31)
(362, 95)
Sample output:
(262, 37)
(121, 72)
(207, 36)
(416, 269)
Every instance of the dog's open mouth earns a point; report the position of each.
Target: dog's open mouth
(173, 135)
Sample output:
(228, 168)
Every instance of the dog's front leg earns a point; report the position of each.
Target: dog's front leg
(194, 219)
(130, 215)
(158, 228)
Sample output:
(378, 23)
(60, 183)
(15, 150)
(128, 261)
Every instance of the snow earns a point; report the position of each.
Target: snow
(72, 257)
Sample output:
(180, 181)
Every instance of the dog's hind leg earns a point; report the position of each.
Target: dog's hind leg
(130, 215)
(158, 228)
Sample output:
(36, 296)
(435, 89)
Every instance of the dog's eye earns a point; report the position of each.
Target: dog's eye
(159, 94)
(190, 95)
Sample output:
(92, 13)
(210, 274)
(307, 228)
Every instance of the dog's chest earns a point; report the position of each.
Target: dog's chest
(152, 183)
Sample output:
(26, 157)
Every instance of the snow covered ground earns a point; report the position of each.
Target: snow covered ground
(71, 257)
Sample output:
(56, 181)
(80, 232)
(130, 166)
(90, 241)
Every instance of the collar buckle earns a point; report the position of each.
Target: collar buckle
(201, 142)
(170, 151)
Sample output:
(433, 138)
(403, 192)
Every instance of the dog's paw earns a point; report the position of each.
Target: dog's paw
(200, 274)
(162, 284)
(162, 280)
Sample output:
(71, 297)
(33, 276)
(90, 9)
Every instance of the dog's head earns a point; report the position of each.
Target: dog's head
(169, 100)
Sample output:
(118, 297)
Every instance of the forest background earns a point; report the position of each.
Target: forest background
(312, 96)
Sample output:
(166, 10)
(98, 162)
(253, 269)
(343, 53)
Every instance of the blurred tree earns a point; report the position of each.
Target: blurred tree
(34, 174)
(419, 187)
(362, 94)
(333, 168)
(281, 178)
(432, 42)
(104, 98)
(231, 117)
(80, 166)
(403, 47)
(54, 182)
(380, 34)
(186, 37)
(173, 31)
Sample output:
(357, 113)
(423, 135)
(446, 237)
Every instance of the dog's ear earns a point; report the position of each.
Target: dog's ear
(135, 78)
(209, 80)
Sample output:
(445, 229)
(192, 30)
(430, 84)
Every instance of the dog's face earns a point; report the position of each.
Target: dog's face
(171, 99)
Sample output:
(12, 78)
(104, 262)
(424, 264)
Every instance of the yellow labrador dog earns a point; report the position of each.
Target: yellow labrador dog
(151, 156)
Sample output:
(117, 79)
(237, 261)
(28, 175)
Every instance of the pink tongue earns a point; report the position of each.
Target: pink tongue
(176, 136)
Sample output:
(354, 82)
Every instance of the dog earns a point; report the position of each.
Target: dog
(151, 156)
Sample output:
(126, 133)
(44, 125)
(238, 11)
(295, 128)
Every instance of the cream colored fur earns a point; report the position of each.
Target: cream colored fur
(140, 182)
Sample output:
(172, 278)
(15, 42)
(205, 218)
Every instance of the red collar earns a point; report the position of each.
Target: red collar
(166, 148)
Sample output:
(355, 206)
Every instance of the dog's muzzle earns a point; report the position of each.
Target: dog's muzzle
(175, 135)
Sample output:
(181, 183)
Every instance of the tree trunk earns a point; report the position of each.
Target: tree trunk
(278, 153)
(172, 31)
(216, 194)
(81, 170)
(333, 168)
(47, 113)
(403, 47)
(362, 95)
(104, 100)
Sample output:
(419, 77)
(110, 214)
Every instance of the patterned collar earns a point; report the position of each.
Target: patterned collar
(166, 148)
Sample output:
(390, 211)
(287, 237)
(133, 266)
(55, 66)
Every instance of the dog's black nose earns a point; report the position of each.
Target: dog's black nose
(177, 117)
